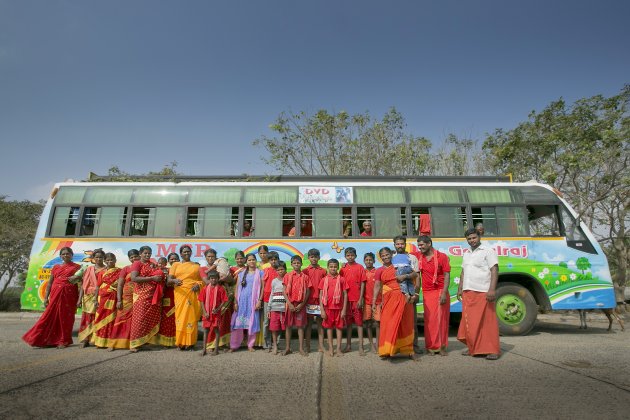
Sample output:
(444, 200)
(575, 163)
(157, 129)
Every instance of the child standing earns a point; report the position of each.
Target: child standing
(277, 306)
(371, 318)
(333, 299)
(268, 261)
(315, 273)
(212, 298)
(296, 293)
(354, 274)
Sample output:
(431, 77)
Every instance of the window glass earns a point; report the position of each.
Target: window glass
(365, 221)
(271, 195)
(141, 219)
(217, 221)
(108, 195)
(159, 195)
(386, 195)
(490, 195)
(543, 221)
(538, 195)
(421, 221)
(435, 195)
(248, 223)
(168, 221)
(572, 230)
(346, 222)
(306, 221)
(64, 221)
(111, 221)
(327, 222)
(288, 221)
(268, 222)
(89, 220)
(449, 222)
(485, 220)
(214, 195)
(511, 221)
(70, 195)
(388, 222)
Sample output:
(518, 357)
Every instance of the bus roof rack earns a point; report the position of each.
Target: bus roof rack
(92, 177)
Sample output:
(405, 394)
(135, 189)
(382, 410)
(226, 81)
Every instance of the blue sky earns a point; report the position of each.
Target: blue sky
(85, 85)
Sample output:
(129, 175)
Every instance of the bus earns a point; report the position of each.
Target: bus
(548, 259)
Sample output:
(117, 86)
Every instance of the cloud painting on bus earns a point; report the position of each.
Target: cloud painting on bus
(571, 278)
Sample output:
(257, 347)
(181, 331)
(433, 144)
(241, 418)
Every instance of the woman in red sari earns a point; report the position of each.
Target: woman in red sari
(54, 327)
(121, 330)
(148, 281)
(106, 309)
(88, 295)
(397, 320)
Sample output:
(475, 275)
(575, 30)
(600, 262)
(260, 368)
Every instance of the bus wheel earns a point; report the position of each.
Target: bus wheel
(516, 309)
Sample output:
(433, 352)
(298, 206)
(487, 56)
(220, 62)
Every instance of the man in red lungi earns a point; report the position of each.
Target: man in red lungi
(479, 328)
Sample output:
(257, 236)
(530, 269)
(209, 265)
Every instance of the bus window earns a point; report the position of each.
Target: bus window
(572, 230)
(389, 222)
(365, 220)
(141, 217)
(543, 220)
(168, 221)
(421, 221)
(88, 222)
(270, 222)
(248, 223)
(346, 229)
(306, 221)
(449, 222)
(288, 221)
(511, 221)
(64, 221)
(103, 221)
(211, 221)
(485, 218)
(327, 222)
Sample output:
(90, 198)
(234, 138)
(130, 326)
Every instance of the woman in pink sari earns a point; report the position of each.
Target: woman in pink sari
(54, 327)
(88, 297)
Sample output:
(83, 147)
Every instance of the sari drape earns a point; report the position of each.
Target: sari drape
(54, 327)
(89, 284)
(121, 330)
(147, 306)
(106, 311)
(397, 320)
(166, 333)
(187, 309)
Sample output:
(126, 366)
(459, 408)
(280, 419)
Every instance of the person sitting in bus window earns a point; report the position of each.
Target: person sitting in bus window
(480, 229)
(347, 228)
(248, 229)
(367, 228)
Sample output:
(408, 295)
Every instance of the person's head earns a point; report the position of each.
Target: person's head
(250, 261)
(173, 257)
(66, 254)
(239, 257)
(263, 253)
(296, 263)
(424, 243)
(211, 256)
(313, 256)
(212, 277)
(145, 253)
(472, 237)
(350, 254)
(400, 243)
(386, 255)
(162, 262)
(186, 252)
(247, 225)
(281, 269)
(133, 254)
(480, 229)
(333, 267)
(367, 226)
(98, 256)
(274, 257)
(110, 260)
(368, 259)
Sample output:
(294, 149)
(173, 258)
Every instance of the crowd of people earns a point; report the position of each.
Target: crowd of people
(252, 303)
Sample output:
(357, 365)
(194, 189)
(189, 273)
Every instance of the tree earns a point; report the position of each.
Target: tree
(344, 144)
(18, 223)
(582, 150)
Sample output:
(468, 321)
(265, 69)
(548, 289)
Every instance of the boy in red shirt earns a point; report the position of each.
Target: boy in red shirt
(212, 298)
(371, 318)
(296, 293)
(315, 273)
(270, 273)
(333, 299)
(354, 274)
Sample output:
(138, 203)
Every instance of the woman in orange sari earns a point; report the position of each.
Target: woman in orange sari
(88, 297)
(226, 280)
(397, 320)
(121, 330)
(54, 327)
(187, 283)
(106, 309)
(148, 281)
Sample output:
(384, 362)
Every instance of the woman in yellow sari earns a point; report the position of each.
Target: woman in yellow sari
(185, 276)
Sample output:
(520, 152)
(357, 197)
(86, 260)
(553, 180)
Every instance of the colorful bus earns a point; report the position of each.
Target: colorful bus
(548, 260)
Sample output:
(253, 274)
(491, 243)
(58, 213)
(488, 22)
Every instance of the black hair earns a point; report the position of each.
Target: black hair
(132, 252)
(470, 231)
(172, 254)
(265, 247)
(164, 259)
(281, 264)
(210, 251)
(66, 248)
(350, 250)
(237, 253)
(369, 254)
(98, 251)
(251, 254)
(296, 258)
(332, 261)
(313, 252)
(145, 248)
(110, 255)
(385, 248)
(400, 238)
(212, 274)
(181, 248)
(273, 254)
(426, 239)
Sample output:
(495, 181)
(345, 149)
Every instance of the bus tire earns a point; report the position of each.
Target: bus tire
(516, 309)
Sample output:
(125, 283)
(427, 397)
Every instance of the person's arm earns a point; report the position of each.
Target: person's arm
(286, 298)
(321, 305)
(80, 301)
(48, 287)
(361, 296)
(306, 296)
(260, 296)
(377, 291)
(136, 278)
(119, 291)
(494, 278)
(345, 304)
(460, 286)
(447, 282)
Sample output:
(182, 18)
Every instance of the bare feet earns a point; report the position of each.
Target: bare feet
(215, 352)
(231, 351)
(443, 352)
(110, 349)
(465, 353)
(303, 353)
(331, 353)
(339, 353)
(84, 344)
(203, 352)
(492, 357)
(321, 350)
(374, 349)
(361, 352)
(347, 349)
(62, 346)
(134, 350)
(251, 349)
(286, 351)
(413, 357)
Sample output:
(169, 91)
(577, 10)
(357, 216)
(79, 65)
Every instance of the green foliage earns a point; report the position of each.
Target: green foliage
(229, 255)
(115, 174)
(583, 264)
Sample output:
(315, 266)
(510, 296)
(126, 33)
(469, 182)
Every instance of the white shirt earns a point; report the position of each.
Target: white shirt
(477, 265)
